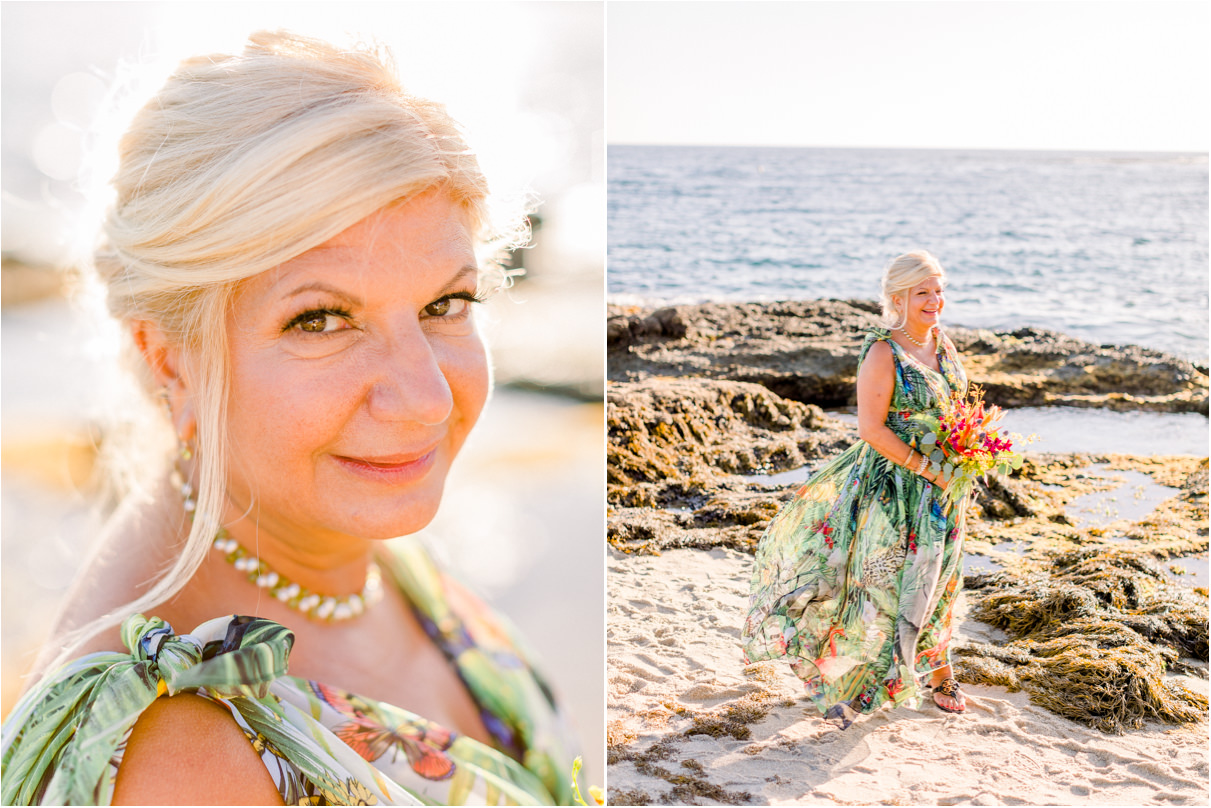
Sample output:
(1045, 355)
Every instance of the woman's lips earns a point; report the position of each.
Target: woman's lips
(399, 468)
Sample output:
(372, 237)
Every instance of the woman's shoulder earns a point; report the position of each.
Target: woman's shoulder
(205, 749)
(873, 337)
(143, 695)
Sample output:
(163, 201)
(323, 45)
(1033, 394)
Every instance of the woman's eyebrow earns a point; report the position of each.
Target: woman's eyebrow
(320, 286)
(458, 277)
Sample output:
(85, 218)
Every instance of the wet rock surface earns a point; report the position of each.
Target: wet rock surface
(674, 433)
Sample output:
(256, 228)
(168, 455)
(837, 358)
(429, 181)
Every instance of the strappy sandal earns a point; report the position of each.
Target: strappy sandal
(949, 687)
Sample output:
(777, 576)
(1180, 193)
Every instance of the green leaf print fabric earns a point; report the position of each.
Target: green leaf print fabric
(855, 579)
(63, 742)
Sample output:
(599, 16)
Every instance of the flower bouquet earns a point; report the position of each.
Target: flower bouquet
(964, 442)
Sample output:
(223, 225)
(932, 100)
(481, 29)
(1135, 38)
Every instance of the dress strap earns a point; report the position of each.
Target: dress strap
(951, 366)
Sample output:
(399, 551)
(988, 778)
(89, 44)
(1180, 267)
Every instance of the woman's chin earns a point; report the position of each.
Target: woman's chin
(388, 521)
(377, 515)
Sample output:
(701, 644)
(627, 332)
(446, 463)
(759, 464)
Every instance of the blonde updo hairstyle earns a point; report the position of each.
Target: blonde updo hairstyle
(242, 162)
(901, 275)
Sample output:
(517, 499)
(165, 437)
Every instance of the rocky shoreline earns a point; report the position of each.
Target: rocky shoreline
(807, 351)
(699, 395)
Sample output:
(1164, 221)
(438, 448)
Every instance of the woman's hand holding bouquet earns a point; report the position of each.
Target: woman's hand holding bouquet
(964, 442)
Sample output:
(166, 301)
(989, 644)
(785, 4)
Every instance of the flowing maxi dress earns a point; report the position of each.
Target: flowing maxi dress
(855, 579)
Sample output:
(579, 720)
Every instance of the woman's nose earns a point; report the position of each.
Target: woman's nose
(410, 385)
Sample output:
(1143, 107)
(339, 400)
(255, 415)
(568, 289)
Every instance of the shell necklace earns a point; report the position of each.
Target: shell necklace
(326, 608)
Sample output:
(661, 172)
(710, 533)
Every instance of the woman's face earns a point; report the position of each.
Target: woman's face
(357, 372)
(924, 303)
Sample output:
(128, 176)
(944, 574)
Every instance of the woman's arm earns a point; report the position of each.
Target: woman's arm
(876, 383)
(186, 750)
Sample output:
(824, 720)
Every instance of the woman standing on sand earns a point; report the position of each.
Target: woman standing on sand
(855, 579)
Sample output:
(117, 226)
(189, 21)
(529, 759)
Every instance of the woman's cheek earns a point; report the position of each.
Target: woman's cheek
(464, 362)
(298, 401)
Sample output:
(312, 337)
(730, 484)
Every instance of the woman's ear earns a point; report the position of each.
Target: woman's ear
(165, 360)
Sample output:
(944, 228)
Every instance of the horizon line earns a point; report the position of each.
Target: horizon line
(1203, 153)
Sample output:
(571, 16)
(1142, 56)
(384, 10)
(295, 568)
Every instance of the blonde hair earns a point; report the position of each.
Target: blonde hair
(900, 275)
(242, 162)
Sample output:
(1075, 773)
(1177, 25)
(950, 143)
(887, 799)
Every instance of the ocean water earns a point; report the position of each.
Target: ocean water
(1107, 247)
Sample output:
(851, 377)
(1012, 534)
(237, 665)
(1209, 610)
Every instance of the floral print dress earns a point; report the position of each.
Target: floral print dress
(855, 579)
(63, 742)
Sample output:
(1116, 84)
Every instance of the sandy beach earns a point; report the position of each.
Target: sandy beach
(674, 664)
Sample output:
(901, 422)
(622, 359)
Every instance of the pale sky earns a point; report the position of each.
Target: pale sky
(1025, 74)
(525, 79)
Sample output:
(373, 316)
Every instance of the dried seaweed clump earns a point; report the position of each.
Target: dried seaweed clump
(1093, 637)
(630, 796)
(732, 721)
(687, 785)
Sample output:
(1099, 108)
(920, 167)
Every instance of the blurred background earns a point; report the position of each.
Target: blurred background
(523, 517)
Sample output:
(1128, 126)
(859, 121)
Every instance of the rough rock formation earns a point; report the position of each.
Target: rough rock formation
(674, 446)
(668, 430)
(807, 351)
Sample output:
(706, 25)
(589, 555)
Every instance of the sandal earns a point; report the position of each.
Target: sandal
(949, 687)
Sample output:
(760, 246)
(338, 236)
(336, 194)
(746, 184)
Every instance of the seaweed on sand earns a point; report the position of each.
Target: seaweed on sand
(687, 786)
(1092, 638)
(732, 721)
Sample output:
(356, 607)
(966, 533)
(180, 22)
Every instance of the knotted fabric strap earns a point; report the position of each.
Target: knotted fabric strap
(66, 732)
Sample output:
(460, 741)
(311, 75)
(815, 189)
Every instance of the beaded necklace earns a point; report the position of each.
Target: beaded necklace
(328, 608)
(928, 337)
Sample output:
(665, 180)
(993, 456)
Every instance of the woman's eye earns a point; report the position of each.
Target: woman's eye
(447, 307)
(319, 322)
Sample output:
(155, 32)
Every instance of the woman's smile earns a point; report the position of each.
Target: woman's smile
(397, 469)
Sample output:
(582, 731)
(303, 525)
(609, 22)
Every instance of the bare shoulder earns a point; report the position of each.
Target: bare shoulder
(187, 750)
(876, 385)
(879, 360)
